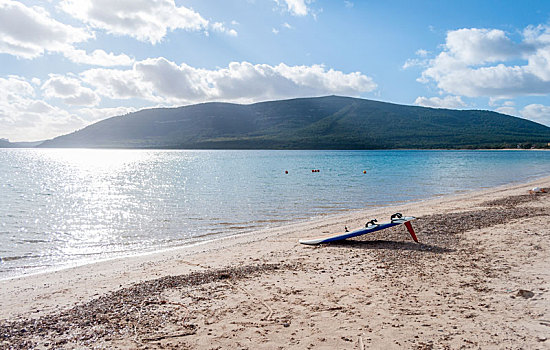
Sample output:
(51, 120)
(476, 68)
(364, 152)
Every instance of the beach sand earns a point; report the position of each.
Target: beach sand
(480, 278)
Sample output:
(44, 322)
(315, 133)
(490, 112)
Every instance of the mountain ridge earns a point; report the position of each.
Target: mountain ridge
(329, 122)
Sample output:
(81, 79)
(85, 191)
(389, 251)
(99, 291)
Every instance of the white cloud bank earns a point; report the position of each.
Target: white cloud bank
(144, 20)
(30, 32)
(536, 112)
(70, 91)
(486, 62)
(162, 81)
(477, 62)
(24, 117)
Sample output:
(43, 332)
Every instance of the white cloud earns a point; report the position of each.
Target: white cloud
(483, 62)
(144, 20)
(69, 90)
(220, 27)
(28, 32)
(283, 26)
(98, 58)
(170, 81)
(14, 87)
(117, 84)
(23, 117)
(479, 46)
(417, 62)
(499, 102)
(422, 52)
(414, 62)
(245, 82)
(348, 4)
(454, 102)
(507, 110)
(295, 7)
(537, 113)
(163, 81)
(39, 106)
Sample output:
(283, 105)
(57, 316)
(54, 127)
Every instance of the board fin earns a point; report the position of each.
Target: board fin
(409, 227)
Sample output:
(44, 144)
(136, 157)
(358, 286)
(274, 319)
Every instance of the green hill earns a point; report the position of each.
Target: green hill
(330, 122)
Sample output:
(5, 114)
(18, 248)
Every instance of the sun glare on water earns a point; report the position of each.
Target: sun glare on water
(96, 161)
(100, 191)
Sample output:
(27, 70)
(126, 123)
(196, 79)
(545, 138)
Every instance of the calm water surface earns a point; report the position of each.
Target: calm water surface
(67, 207)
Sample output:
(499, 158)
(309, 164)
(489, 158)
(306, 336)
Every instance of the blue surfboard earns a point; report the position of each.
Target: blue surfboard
(373, 227)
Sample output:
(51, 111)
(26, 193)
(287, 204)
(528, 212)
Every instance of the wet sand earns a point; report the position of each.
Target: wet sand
(478, 279)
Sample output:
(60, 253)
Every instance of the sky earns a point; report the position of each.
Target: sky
(65, 64)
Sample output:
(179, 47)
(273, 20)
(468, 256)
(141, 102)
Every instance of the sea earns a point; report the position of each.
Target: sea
(67, 207)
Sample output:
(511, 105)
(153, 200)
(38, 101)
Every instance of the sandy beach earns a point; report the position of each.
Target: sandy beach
(478, 279)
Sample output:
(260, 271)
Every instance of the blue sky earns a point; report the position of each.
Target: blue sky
(65, 64)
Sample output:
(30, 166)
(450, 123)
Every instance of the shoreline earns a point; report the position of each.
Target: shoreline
(372, 261)
(218, 243)
(342, 215)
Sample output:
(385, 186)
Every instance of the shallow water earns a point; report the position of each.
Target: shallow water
(67, 207)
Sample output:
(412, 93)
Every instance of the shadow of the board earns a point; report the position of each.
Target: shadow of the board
(390, 245)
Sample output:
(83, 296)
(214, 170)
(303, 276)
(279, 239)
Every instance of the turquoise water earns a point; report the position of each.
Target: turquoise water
(66, 207)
